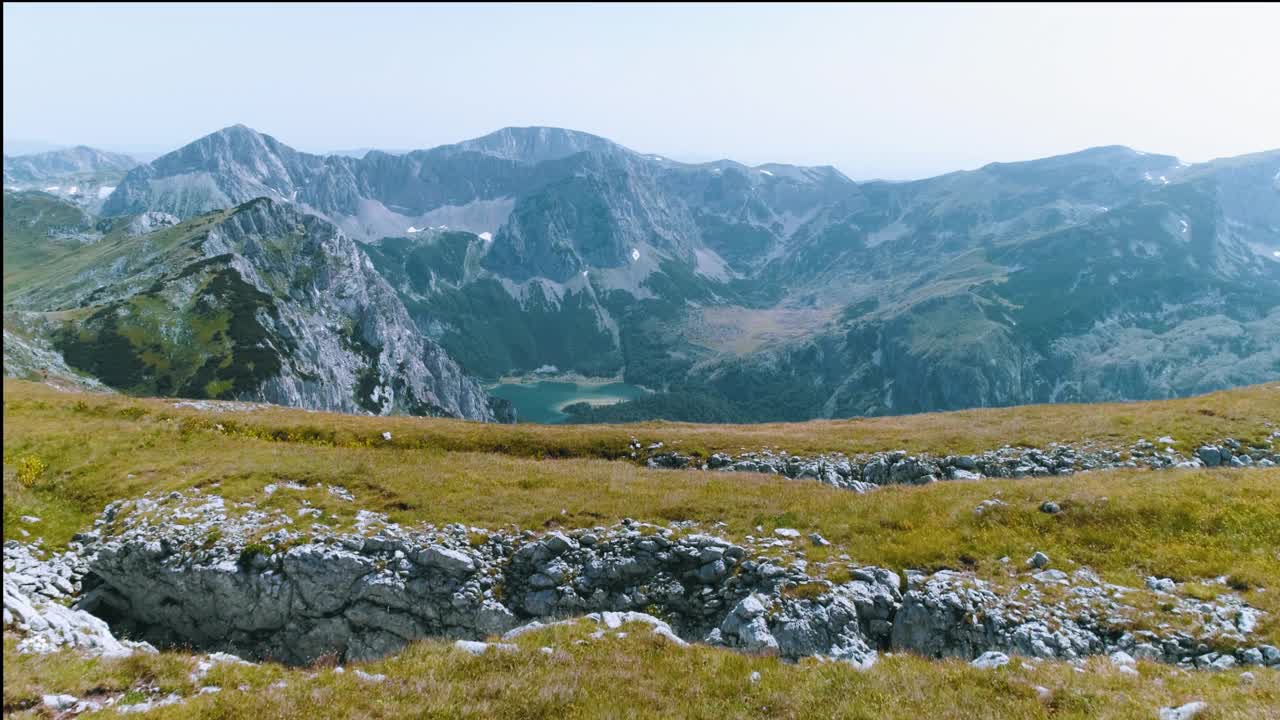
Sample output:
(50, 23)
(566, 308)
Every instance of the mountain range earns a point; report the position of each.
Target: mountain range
(82, 175)
(237, 266)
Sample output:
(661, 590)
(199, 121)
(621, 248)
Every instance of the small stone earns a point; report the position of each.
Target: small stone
(1247, 678)
(1050, 507)
(30, 520)
(787, 533)
(1183, 712)
(990, 660)
(1210, 455)
(479, 648)
(1121, 658)
(754, 678)
(1056, 577)
(817, 539)
(1038, 560)
(386, 436)
(987, 506)
(1251, 656)
(59, 702)
(1223, 662)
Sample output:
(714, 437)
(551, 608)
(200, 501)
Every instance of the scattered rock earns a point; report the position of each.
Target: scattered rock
(59, 703)
(479, 648)
(991, 659)
(1038, 560)
(1050, 507)
(1121, 658)
(865, 472)
(987, 506)
(1185, 712)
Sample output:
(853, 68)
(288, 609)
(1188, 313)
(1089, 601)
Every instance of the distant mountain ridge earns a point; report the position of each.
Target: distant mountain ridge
(81, 174)
(786, 292)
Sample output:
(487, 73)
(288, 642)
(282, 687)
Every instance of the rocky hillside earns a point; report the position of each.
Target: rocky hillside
(1105, 274)
(261, 302)
(299, 561)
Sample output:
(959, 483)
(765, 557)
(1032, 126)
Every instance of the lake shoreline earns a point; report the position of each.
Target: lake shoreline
(574, 378)
(542, 400)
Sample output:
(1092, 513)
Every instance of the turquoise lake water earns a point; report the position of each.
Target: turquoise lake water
(540, 402)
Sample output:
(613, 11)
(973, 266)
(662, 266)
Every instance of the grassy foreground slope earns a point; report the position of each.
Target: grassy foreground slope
(92, 449)
(642, 676)
(68, 454)
(1246, 414)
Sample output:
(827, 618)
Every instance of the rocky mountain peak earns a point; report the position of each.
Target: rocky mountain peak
(538, 144)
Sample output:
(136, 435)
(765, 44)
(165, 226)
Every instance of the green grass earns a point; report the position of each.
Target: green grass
(1246, 414)
(1125, 524)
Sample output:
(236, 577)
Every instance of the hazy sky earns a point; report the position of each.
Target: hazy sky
(878, 91)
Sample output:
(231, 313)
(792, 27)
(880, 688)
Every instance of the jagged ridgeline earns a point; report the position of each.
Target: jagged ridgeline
(257, 301)
(735, 293)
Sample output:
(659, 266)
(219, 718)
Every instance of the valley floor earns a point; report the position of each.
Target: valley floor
(67, 455)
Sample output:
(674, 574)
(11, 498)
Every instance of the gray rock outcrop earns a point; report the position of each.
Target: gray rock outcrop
(190, 570)
(864, 472)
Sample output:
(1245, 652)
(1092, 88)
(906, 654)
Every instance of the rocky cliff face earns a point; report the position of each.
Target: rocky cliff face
(260, 302)
(257, 584)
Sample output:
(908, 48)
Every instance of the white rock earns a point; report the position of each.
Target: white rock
(479, 648)
(59, 702)
(1121, 658)
(1184, 712)
(787, 532)
(990, 659)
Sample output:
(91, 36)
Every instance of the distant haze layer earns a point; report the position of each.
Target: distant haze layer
(897, 92)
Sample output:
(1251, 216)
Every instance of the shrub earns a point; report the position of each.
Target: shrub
(30, 469)
(253, 550)
(805, 591)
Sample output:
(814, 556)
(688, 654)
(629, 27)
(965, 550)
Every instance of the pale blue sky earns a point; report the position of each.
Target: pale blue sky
(876, 90)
